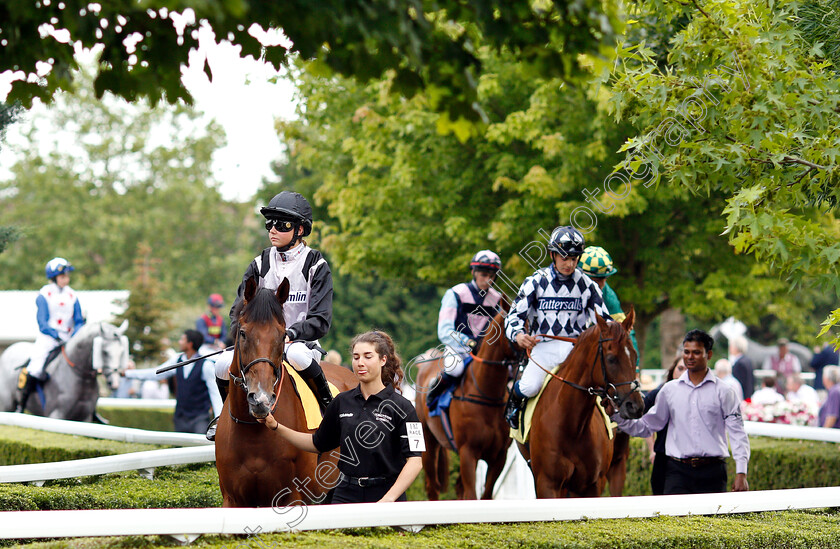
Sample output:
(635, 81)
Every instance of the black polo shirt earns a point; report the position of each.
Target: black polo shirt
(375, 436)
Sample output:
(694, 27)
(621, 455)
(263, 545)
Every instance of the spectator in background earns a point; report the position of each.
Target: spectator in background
(830, 410)
(784, 363)
(742, 366)
(212, 326)
(768, 393)
(333, 357)
(827, 356)
(723, 371)
(800, 392)
(195, 391)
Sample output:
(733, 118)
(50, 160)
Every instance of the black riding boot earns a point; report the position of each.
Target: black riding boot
(515, 405)
(444, 382)
(317, 381)
(222, 384)
(28, 388)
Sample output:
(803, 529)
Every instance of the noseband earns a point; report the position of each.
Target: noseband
(242, 383)
(603, 392)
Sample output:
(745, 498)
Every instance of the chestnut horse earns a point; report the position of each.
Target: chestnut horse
(256, 467)
(570, 450)
(476, 414)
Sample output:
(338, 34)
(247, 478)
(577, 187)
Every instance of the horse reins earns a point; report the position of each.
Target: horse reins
(279, 375)
(603, 392)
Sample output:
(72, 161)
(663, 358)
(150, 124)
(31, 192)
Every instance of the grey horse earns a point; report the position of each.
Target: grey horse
(73, 389)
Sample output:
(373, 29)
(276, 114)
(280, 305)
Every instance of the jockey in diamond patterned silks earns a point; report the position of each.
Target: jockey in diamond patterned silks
(465, 312)
(557, 300)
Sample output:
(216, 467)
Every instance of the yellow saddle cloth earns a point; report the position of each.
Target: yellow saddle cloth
(310, 403)
(522, 435)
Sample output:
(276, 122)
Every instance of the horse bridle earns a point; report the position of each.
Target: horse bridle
(242, 383)
(488, 401)
(603, 392)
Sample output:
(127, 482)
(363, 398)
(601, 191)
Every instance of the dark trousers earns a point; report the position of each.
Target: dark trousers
(657, 473)
(682, 478)
(351, 493)
(195, 424)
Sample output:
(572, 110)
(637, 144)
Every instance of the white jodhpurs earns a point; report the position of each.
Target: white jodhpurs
(299, 356)
(40, 349)
(453, 362)
(547, 354)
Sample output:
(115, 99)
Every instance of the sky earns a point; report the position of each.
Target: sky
(243, 100)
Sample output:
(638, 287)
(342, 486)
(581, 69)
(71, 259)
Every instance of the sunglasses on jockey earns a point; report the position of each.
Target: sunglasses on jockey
(281, 225)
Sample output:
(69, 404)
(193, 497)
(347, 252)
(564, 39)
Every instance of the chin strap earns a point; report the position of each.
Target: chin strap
(295, 239)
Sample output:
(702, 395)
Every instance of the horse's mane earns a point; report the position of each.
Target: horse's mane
(263, 307)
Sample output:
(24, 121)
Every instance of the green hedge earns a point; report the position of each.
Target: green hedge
(19, 446)
(774, 464)
(152, 419)
(181, 486)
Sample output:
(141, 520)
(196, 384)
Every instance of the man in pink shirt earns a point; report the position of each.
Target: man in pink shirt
(784, 363)
(699, 411)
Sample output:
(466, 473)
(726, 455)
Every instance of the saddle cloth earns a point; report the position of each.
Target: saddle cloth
(522, 435)
(310, 403)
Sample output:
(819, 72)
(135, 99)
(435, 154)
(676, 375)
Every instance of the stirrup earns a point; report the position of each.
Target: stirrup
(211, 429)
(514, 408)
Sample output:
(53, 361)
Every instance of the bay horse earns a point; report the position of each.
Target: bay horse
(256, 467)
(73, 388)
(569, 449)
(476, 415)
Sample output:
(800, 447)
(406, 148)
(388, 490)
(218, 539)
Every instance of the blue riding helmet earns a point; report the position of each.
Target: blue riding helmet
(57, 266)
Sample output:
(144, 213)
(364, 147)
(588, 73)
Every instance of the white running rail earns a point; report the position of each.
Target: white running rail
(94, 430)
(35, 472)
(143, 522)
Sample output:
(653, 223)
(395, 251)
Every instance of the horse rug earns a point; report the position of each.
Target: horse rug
(522, 434)
(310, 403)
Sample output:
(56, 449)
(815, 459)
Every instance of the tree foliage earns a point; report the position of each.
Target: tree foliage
(418, 45)
(363, 300)
(147, 311)
(414, 206)
(113, 176)
(744, 110)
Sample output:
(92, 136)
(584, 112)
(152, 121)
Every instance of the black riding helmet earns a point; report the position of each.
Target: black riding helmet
(566, 241)
(292, 206)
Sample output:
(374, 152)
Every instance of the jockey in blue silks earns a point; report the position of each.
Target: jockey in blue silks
(59, 317)
(558, 300)
(465, 312)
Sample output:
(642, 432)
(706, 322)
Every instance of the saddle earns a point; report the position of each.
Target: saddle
(523, 434)
(51, 356)
(311, 409)
(441, 405)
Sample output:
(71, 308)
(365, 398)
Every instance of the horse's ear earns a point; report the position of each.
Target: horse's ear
(602, 324)
(250, 289)
(283, 291)
(629, 320)
(123, 327)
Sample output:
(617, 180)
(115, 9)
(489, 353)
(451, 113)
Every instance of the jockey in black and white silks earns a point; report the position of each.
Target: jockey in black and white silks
(308, 310)
(557, 300)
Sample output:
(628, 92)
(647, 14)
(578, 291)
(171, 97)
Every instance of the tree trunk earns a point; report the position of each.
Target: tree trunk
(672, 331)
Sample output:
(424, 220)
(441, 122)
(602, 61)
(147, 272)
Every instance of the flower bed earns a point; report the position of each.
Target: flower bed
(789, 413)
